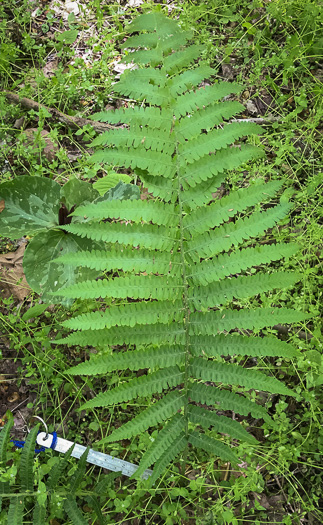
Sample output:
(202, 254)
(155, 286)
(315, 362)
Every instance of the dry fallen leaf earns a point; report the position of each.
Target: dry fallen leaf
(2, 205)
(12, 277)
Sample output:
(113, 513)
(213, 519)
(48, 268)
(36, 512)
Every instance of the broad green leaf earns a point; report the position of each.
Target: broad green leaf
(121, 192)
(76, 192)
(68, 37)
(31, 205)
(45, 276)
(34, 311)
(109, 181)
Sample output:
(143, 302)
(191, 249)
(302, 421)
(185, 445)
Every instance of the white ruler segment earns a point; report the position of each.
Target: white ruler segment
(96, 458)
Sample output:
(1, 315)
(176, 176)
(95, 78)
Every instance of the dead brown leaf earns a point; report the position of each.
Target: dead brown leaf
(12, 277)
(2, 205)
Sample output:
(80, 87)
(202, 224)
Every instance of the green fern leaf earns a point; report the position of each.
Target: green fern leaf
(137, 287)
(161, 356)
(56, 472)
(129, 315)
(235, 344)
(16, 511)
(27, 461)
(165, 440)
(229, 264)
(144, 334)
(156, 413)
(227, 400)
(222, 292)
(74, 513)
(212, 446)
(180, 151)
(203, 97)
(154, 162)
(230, 374)
(220, 211)
(191, 128)
(167, 456)
(248, 319)
(39, 514)
(215, 140)
(137, 211)
(231, 234)
(141, 386)
(125, 258)
(4, 439)
(207, 419)
(189, 79)
(76, 479)
(147, 236)
(94, 503)
(195, 177)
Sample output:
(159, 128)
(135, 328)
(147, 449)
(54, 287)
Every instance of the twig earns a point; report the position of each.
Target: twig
(68, 120)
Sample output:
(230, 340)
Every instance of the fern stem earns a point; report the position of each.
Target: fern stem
(186, 307)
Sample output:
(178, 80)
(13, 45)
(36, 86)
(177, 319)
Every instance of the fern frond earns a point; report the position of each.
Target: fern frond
(165, 439)
(168, 455)
(145, 56)
(39, 514)
(227, 400)
(222, 424)
(205, 96)
(152, 161)
(149, 236)
(135, 360)
(222, 292)
(180, 151)
(229, 264)
(217, 139)
(232, 234)
(191, 127)
(77, 477)
(157, 212)
(144, 334)
(16, 511)
(56, 472)
(4, 439)
(156, 413)
(195, 176)
(26, 472)
(148, 139)
(126, 258)
(155, 118)
(140, 386)
(234, 344)
(212, 446)
(135, 286)
(230, 374)
(202, 219)
(249, 319)
(189, 79)
(154, 21)
(73, 511)
(128, 315)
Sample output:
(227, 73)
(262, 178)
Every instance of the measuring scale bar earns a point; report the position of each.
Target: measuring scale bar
(96, 458)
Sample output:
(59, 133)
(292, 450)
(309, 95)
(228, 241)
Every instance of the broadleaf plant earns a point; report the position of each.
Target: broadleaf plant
(187, 257)
(37, 207)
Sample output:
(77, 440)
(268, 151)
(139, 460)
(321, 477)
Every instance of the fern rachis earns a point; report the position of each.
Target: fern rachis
(183, 258)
